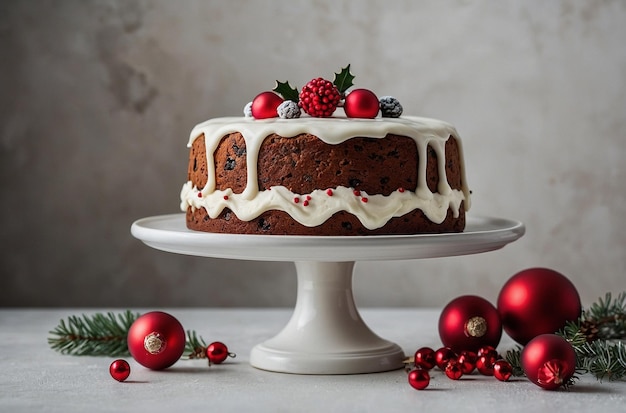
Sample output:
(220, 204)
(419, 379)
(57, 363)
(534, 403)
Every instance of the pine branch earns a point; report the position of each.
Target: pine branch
(595, 337)
(195, 347)
(97, 335)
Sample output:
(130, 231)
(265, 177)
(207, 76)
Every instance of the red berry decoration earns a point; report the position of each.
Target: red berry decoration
(443, 356)
(361, 103)
(419, 379)
(537, 301)
(217, 352)
(425, 358)
(265, 105)
(468, 323)
(156, 340)
(549, 361)
(454, 370)
(502, 370)
(119, 370)
(319, 98)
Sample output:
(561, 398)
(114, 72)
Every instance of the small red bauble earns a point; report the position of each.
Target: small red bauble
(425, 358)
(361, 103)
(549, 361)
(502, 370)
(119, 370)
(537, 301)
(484, 365)
(419, 379)
(454, 370)
(443, 356)
(467, 360)
(265, 105)
(156, 340)
(469, 322)
(217, 352)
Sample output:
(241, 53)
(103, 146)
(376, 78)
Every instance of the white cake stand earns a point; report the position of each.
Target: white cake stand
(326, 334)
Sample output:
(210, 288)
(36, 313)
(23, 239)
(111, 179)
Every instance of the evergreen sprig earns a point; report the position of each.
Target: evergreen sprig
(595, 337)
(96, 335)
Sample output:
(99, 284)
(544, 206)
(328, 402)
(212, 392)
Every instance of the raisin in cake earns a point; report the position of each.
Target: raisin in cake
(325, 176)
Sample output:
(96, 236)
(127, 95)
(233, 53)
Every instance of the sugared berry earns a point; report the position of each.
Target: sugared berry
(288, 110)
(319, 98)
(390, 107)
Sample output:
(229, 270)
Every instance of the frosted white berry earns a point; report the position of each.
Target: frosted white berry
(288, 110)
(247, 110)
(390, 107)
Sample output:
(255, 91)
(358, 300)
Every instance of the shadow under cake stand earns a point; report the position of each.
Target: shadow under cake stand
(326, 334)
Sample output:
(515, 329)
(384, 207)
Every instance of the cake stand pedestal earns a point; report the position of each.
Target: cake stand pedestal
(326, 334)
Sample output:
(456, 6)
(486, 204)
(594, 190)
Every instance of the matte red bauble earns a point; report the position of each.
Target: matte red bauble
(361, 103)
(549, 361)
(537, 301)
(265, 105)
(156, 340)
(468, 323)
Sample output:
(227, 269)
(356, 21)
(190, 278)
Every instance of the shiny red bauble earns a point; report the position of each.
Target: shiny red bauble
(469, 322)
(156, 340)
(361, 103)
(217, 352)
(442, 356)
(425, 358)
(549, 361)
(265, 105)
(537, 301)
(419, 378)
(119, 370)
(454, 370)
(502, 370)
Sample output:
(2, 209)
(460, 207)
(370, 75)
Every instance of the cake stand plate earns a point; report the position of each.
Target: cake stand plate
(326, 334)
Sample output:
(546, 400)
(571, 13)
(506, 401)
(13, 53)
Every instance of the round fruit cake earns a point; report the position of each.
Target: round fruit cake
(325, 176)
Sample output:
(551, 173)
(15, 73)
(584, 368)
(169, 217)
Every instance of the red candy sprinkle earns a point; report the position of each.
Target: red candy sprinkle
(305, 203)
(308, 197)
(357, 192)
(296, 200)
(225, 197)
(199, 194)
(401, 190)
(329, 192)
(364, 199)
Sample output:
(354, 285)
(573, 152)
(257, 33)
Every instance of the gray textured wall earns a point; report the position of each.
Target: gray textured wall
(97, 99)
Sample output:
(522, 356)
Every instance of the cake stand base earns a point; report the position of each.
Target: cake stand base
(326, 334)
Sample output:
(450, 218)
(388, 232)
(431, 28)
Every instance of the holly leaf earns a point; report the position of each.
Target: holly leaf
(287, 91)
(343, 80)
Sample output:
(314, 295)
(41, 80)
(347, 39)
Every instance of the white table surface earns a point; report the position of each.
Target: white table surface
(36, 378)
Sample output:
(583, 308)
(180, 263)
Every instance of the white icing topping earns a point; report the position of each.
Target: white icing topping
(313, 209)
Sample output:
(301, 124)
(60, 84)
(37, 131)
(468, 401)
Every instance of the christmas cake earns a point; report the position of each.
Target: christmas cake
(368, 171)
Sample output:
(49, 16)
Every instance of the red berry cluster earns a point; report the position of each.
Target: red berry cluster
(319, 98)
(486, 361)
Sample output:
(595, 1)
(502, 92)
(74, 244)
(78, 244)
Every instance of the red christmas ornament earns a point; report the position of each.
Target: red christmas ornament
(443, 356)
(484, 365)
(425, 358)
(419, 379)
(454, 370)
(467, 360)
(537, 301)
(502, 370)
(549, 361)
(468, 323)
(119, 370)
(217, 352)
(265, 105)
(361, 103)
(156, 340)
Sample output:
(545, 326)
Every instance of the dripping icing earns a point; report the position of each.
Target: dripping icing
(373, 214)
